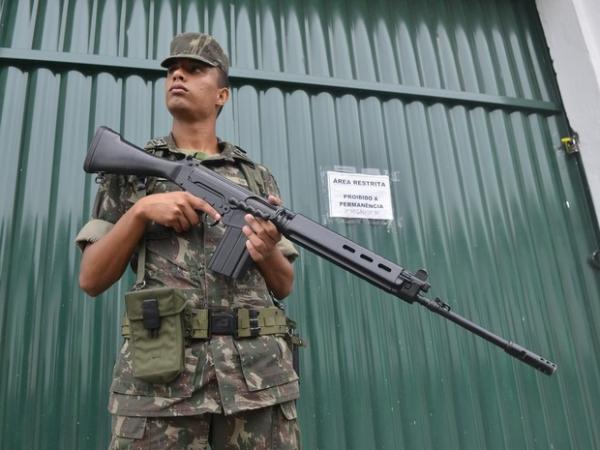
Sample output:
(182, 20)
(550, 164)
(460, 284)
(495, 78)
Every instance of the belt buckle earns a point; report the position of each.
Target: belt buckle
(223, 323)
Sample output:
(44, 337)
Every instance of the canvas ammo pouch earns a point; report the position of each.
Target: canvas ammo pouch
(155, 328)
(156, 333)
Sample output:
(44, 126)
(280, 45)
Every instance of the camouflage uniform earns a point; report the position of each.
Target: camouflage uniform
(247, 386)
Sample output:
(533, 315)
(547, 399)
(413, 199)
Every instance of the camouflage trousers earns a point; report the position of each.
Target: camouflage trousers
(262, 429)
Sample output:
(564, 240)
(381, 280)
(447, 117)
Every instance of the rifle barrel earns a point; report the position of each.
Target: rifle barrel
(528, 357)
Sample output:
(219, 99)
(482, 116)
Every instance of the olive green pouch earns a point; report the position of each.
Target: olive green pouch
(156, 333)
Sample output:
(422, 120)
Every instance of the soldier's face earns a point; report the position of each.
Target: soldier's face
(193, 91)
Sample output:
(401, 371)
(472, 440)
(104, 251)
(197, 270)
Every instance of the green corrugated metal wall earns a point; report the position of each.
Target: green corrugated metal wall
(455, 100)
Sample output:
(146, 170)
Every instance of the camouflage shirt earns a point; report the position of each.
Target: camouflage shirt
(222, 375)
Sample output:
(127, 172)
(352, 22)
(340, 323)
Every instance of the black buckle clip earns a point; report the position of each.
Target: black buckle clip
(223, 323)
(151, 316)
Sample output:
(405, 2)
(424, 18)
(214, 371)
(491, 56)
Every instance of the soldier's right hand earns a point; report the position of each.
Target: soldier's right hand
(178, 210)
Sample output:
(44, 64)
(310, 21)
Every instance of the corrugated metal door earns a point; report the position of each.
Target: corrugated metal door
(454, 100)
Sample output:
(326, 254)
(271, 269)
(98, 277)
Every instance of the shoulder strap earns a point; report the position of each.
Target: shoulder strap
(249, 169)
(141, 264)
(140, 191)
(253, 177)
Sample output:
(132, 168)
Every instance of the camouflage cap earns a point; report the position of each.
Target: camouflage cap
(198, 46)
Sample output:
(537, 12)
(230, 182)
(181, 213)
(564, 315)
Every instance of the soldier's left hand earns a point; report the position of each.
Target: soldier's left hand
(262, 235)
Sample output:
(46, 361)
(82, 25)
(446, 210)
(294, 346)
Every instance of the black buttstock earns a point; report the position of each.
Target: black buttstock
(110, 153)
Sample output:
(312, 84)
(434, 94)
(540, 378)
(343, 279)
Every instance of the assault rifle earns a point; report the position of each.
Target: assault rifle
(110, 153)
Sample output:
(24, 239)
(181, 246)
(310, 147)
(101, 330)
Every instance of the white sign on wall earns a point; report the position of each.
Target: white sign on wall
(359, 196)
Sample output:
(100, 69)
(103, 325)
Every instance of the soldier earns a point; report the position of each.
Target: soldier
(227, 391)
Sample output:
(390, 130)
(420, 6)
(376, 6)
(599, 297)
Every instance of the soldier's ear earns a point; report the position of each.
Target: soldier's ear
(222, 96)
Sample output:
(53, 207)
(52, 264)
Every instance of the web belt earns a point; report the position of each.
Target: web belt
(239, 323)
